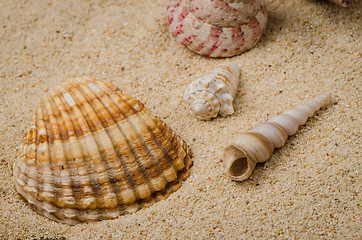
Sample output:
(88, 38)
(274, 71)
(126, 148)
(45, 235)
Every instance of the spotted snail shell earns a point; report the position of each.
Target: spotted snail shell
(94, 153)
(213, 94)
(257, 145)
(217, 28)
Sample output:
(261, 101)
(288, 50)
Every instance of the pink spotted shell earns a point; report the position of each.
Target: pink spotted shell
(341, 3)
(217, 28)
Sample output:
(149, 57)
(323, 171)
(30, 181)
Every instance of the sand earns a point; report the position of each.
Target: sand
(309, 189)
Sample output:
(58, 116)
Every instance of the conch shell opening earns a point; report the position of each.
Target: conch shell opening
(239, 163)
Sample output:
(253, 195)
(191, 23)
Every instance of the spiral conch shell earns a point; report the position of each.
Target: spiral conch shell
(217, 28)
(257, 145)
(213, 93)
(94, 153)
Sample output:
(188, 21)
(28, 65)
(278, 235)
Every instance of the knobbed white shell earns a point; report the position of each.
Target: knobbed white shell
(94, 153)
(257, 145)
(217, 28)
(213, 94)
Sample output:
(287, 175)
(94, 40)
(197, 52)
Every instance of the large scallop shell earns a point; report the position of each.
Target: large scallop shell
(217, 28)
(93, 153)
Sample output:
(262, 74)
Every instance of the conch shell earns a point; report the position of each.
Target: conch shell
(257, 145)
(341, 3)
(217, 28)
(94, 153)
(213, 93)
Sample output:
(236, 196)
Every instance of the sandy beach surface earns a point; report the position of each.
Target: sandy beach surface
(309, 189)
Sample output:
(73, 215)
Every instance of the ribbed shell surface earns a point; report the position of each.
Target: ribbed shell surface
(217, 28)
(93, 153)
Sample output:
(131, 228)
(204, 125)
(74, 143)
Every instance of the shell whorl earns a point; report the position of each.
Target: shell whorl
(224, 13)
(94, 153)
(341, 3)
(217, 28)
(213, 94)
(257, 145)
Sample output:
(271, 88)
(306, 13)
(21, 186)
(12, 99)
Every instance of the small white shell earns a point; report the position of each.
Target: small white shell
(213, 93)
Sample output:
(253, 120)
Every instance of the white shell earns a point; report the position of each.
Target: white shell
(257, 145)
(213, 93)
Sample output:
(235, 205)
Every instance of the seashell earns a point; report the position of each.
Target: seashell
(257, 145)
(341, 3)
(213, 93)
(217, 28)
(93, 153)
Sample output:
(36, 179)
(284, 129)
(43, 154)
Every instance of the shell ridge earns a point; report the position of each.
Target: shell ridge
(119, 154)
(133, 151)
(19, 167)
(87, 212)
(51, 167)
(182, 174)
(170, 186)
(170, 142)
(179, 147)
(32, 138)
(33, 200)
(168, 156)
(228, 77)
(159, 144)
(70, 124)
(67, 214)
(40, 139)
(225, 81)
(58, 186)
(83, 97)
(200, 90)
(177, 143)
(153, 158)
(66, 114)
(126, 181)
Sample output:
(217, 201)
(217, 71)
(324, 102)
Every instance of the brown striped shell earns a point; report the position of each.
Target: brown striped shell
(94, 153)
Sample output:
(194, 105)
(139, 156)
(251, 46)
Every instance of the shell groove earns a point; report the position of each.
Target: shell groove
(217, 28)
(213, 93)
(247, 149)
(93, 153)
